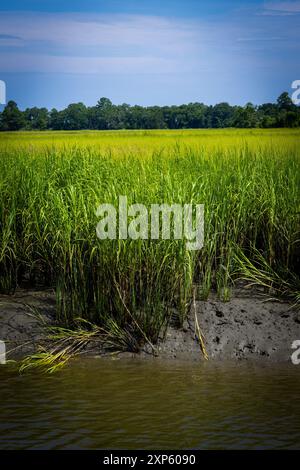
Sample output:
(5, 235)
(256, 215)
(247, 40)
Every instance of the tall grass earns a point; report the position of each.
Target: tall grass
(134, 288)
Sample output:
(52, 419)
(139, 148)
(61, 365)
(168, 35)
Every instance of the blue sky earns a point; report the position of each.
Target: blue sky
(148, 52)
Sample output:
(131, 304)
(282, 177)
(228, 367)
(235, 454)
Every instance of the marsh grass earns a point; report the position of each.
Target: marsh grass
(131, 288)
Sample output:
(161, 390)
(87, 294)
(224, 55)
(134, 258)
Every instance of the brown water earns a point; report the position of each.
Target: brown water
(105, 404)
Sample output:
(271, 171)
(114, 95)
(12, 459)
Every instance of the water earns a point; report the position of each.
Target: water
(105, 404)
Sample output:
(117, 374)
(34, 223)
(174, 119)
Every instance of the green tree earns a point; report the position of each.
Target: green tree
(245, 117)
(222, 115)
(104, 104)
(56, 120)
(105, 114)
(36, 118)
(285, 102)
(12, 119)
(75, 117)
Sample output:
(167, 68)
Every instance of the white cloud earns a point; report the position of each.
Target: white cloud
(14, 62)
(97, 30)
(259, 39)
(135, 44)
(82, 43)
(282, 8)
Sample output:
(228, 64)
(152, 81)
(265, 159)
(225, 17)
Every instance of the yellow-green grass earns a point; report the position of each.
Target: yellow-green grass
(145, 142)
(52, 183)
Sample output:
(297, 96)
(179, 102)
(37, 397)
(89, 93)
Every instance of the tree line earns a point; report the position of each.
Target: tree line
(107, 116)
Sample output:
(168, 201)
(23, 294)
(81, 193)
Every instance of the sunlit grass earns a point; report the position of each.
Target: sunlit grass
(144, 142)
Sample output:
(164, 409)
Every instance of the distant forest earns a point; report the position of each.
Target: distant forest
(107, 116)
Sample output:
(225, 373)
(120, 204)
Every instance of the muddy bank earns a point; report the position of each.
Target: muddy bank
(246, 328)
(22, 319)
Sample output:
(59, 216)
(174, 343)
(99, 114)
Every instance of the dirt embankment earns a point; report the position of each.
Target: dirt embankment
(245, 328)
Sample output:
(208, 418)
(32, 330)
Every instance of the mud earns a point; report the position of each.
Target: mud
(248, 327)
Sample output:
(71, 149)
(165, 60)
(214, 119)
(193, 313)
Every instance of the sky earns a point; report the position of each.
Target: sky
(148, 52)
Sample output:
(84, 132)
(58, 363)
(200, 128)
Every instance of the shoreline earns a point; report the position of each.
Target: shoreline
(246, 328)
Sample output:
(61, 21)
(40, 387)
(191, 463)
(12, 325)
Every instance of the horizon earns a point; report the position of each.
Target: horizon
(148, 53)
(49, 109)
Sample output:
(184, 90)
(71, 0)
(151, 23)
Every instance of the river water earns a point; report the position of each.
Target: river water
(135, 404)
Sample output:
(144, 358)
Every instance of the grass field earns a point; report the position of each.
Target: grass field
(52, 182)
(142, 143)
